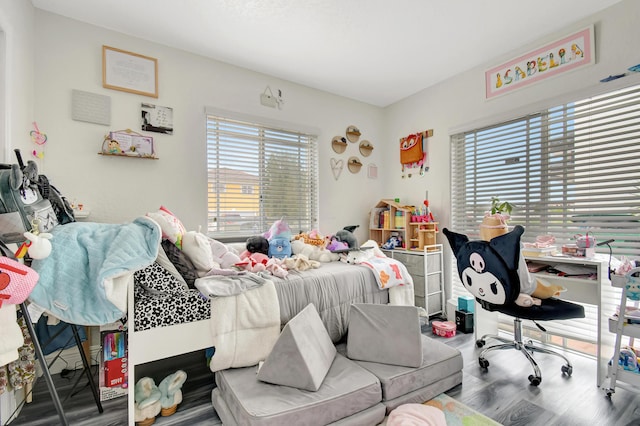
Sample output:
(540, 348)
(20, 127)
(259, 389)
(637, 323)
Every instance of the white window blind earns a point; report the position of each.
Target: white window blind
(569, 170)
(258, 174)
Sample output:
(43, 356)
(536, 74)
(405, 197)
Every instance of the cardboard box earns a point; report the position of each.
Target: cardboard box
(464, 321)
(114, 377)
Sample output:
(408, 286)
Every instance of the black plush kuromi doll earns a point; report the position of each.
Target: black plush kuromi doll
(489, 269)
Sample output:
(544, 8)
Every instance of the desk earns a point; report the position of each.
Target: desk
(579, 289)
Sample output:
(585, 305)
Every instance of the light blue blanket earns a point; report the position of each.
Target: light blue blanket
(84, 280)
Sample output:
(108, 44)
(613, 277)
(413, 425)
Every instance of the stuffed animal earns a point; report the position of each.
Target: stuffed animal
(172, 227)
(356, 257)
(279, 247)
(346, 235)
(314, 238)
(488, 269)
(170, 388)
(335, 244)
(254, 262)
(392, 243)
(300, 262)
(257, 244)
(39, 246)
(279, 229)
(222, 255)
(313, 252)
(276, 267)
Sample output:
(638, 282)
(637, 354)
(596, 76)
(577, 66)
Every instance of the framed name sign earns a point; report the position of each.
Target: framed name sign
(568, 53)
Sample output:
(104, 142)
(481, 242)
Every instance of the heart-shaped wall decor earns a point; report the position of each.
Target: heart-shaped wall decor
(336, 167)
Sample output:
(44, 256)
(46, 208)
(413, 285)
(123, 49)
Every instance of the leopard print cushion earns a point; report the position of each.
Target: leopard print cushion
(162, 300)
(152, 311)
(155, 279)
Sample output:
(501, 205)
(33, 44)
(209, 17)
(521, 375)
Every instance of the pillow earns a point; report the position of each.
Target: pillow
(163, 260)
(387, 334)
(196, 245)
(156, 280)
(489, 269)
(302, 354)
(181, 262)
(172, 228)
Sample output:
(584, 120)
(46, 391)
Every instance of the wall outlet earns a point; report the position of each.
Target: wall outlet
(268, 100)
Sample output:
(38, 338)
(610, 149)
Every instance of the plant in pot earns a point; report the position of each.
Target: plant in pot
(494, 222)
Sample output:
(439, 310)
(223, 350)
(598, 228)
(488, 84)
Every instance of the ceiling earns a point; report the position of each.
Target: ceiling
(374, 51)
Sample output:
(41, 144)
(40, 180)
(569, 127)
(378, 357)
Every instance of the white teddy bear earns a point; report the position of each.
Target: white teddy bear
(313, 252)
(206, 253)
(221, 254)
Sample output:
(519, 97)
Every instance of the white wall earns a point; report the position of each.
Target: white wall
(16, 64)
(16, 104)
(458, 103)
(68, 56)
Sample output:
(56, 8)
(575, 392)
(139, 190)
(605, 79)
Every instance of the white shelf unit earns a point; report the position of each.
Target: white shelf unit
(434, 277)
(425, 267)
(621, 327)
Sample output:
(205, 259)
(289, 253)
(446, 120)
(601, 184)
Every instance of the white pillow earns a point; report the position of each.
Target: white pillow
(197, 247)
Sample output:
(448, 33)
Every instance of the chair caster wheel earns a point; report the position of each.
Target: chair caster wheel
(480, 343)
(567, 369)
(483, 363)
(535, 381)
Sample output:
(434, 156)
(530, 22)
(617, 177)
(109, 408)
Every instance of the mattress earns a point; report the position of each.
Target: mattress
(331, 288)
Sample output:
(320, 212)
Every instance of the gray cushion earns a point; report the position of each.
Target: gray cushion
(440, 364)
(388, 334)
(302, 354)
(347, 389)
(370, 416)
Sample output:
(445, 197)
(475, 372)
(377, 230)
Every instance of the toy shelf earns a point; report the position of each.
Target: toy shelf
(389, 219)
(422, 234)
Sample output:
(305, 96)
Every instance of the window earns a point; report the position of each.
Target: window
(569, 170)
(258, 174)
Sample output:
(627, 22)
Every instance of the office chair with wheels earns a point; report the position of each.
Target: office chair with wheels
(489, 270)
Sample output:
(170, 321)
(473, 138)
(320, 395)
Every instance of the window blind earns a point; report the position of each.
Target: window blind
(569, 170)
(258, 174)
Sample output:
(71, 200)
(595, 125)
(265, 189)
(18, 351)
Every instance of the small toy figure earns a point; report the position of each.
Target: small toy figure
(114, 147)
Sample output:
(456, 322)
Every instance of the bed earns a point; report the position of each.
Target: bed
(332, 288)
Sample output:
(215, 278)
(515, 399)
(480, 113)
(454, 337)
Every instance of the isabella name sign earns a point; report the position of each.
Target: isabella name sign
(569, 53)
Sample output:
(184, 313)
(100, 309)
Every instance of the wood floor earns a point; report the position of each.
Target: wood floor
(502, 392)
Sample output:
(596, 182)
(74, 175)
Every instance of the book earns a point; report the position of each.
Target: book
(539, 252)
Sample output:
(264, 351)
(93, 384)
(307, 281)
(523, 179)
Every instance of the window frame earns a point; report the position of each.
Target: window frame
(566, 131)
(243, 144)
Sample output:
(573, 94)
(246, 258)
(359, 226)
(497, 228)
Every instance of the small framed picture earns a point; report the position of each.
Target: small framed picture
(129, 72)
(156, 118)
